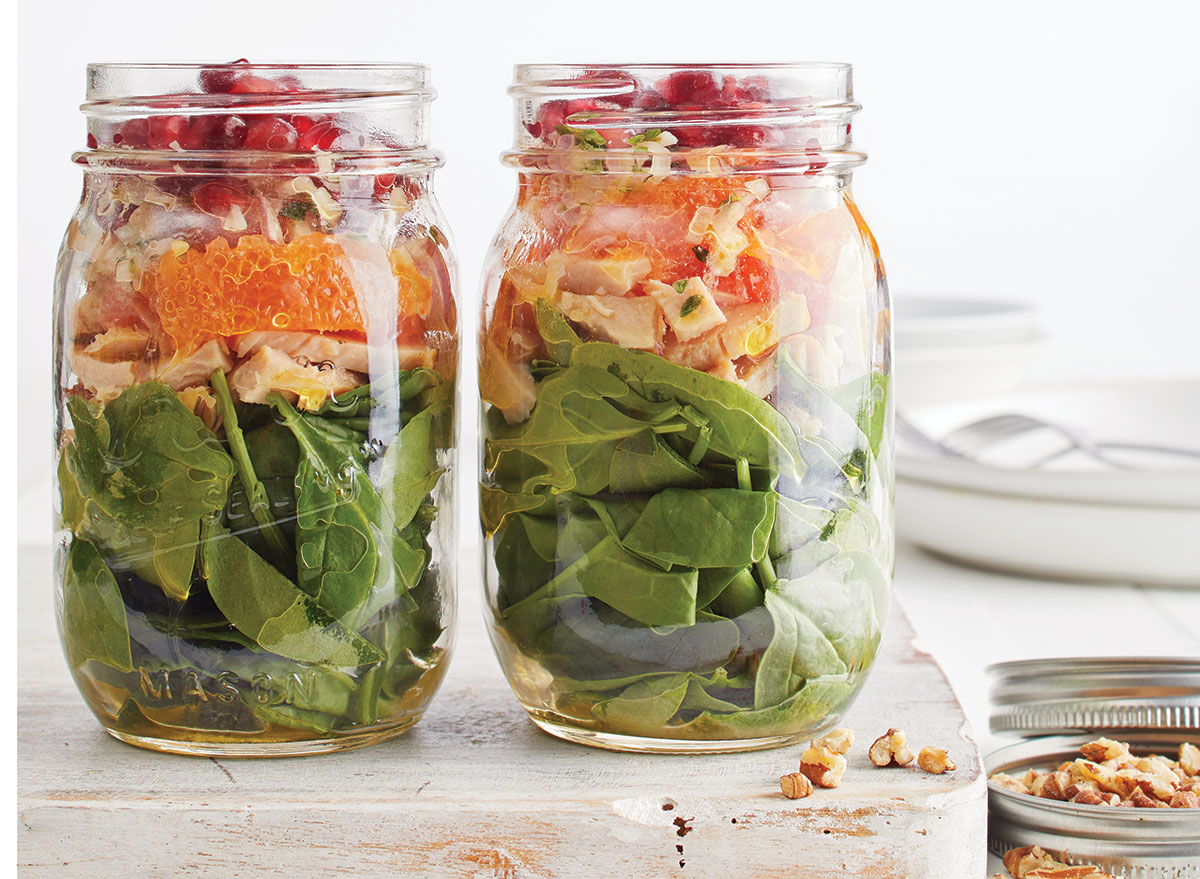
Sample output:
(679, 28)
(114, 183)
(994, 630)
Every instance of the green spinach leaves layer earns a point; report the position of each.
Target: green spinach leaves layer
(276, 570)
(679, 554)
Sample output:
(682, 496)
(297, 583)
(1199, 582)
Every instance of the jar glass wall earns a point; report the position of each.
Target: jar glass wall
(686, 485)
(257, 344)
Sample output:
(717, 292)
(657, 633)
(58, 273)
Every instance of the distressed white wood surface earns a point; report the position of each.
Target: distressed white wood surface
(475, 790)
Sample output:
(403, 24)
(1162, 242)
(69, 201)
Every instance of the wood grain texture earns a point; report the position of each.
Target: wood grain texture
(475, 790)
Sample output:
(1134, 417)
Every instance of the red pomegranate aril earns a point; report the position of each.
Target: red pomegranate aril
(132, 134)
(162, 131)
(649, 100)
(690, 88)
(384, 184)
(215, 133)
(257, 85)
(320, 136)
(218, 198)
(270, 133)
(219, 79)
(92, 142)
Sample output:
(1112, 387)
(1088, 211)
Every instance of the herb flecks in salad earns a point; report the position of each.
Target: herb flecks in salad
(685, 486)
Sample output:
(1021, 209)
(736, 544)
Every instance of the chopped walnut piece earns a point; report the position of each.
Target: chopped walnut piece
(1006, 781)
(890, 749)
(935, 760)
(1185, 799)
(1104, 749)
(1051, 788)
(1139, 800)
(823, 767)
(795, 785)
(1032, 862)
(837, 740)
(1189, 759)
(1089, 797)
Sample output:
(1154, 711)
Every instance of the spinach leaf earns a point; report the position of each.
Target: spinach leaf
(410, 469)
(93, 614)
(268, 608)
(704, 528)
(147, 460)
(347, 542)
(256, 494)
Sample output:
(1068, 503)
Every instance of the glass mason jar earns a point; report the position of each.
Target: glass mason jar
(686, 489)
(257, 343)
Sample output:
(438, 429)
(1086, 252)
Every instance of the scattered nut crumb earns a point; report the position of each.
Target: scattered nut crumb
(890, 749)
(935, 760)
(823, 767)
(1109, 774)
(837, 740)
(1033, 862)
(795, 785)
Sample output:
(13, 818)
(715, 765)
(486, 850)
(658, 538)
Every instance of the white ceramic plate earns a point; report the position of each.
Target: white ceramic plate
(947, 322)
(1076, 520)
(1054, 539)
(1163, 413)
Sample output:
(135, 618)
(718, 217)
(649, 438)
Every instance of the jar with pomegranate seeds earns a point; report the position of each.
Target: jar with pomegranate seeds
(256, 352)
(686, 489)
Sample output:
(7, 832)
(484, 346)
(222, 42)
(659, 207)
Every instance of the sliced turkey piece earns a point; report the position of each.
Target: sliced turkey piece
(632, 322)
(613, 276)
(119, 343)
(273, 370)
(342, 353)
(104, 380)
(187, 370)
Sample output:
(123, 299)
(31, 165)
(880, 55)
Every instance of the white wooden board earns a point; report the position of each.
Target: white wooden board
(475, 790)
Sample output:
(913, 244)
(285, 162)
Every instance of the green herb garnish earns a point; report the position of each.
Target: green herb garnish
(691, 304)
(585, 138)
(296, 210)
(648, 134)
(681, 285)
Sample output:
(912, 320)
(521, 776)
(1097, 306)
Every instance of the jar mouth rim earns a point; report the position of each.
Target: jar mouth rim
(411, 66)
(659, 66)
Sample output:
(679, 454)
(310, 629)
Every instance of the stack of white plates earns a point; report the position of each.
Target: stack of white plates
(951, 348)
(1074, 518)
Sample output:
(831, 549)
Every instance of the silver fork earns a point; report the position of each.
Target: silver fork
(968, 441)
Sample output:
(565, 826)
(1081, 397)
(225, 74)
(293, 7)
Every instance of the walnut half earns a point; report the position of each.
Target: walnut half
(795, 785)
(837, 740)
(935, 760)
(891, 749)
(823, 767)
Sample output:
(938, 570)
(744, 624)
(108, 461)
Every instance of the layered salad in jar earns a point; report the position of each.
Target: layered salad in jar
(686, 488)
(259, 347)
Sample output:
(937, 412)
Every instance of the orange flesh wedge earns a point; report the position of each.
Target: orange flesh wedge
(303, 286)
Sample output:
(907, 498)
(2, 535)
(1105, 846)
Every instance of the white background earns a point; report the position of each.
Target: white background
(1043, 151)
(1032, 150)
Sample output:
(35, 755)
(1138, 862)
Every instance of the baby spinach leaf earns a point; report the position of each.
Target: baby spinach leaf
(347, 542)
(743, 426)
(162, 467)
(643, 462)
(93, 614)
(560, 340)
(410, 469)
(268, 608)
(705, 528)
(798, 651)
(645, 706)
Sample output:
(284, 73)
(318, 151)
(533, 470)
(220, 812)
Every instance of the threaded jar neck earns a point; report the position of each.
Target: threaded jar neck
(257, 118)
(722, 118)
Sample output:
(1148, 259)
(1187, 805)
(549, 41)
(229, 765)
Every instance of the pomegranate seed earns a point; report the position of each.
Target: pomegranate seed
(256, 85)
(132, 134)
(320, 136)
(302, 123)
(649, 100)
(215, 133)
(384, 184)
(271, 133)
(219, 79)
(218, 198)
(164, 130)
(685, 88)
(92, 144)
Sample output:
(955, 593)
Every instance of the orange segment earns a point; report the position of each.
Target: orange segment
(304, 285)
